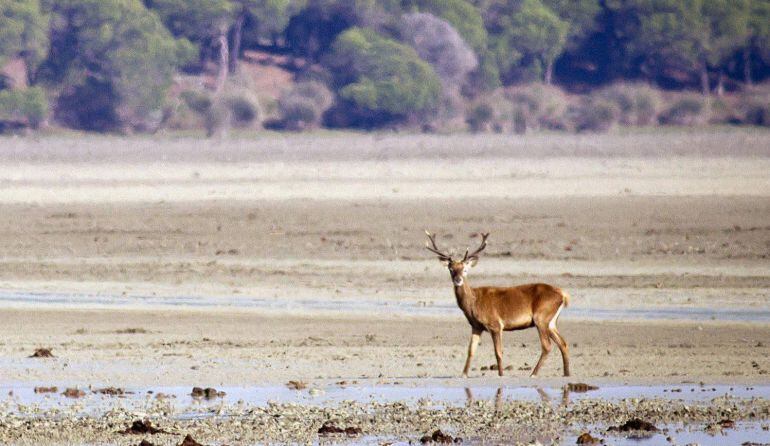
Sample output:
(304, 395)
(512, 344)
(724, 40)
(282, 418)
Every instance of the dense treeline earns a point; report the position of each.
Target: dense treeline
(115, 65)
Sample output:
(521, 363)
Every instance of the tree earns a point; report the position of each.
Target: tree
(759, 36)
(205, 22)
(680, 34)
(439, 44)
(580, 16)
(468, 21)
(383, 80)
(23, 27)
(311, 32)
(113, 61)
(528, 32)
(263, 19)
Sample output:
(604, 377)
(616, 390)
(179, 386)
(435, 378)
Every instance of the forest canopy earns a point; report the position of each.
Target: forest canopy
(131, 65)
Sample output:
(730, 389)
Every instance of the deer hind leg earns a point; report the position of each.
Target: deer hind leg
(545, 344)
(560, 342)
(475, 336)
(563, 348)
(497, 340)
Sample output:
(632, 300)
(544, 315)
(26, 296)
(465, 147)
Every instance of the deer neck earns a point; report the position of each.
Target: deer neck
(465, 297)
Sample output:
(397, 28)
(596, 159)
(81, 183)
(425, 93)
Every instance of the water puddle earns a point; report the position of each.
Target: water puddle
(360, 306)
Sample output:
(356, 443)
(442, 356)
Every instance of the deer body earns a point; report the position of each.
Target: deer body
(498, 309)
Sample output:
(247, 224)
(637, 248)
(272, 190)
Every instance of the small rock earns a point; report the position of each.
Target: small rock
(113, 391)
(329, 428)
(726, 424)
(579, 387)
(634, 424)
(296, 385)
(586, 438)
(145, 443)
(189, 441)
(439, 437)
(209, 393)
(42, 353)
(73, 393)
(52, 389)
(142, 427)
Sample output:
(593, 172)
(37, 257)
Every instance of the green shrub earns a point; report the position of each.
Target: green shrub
(29, 106)
(303, 106)
(687, 110)
(594, 114)
(638, 104)
(382, 78)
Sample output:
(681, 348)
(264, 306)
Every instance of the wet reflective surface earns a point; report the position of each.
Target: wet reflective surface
(368, 306)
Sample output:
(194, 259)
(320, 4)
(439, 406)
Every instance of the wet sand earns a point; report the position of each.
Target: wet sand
(138, 263)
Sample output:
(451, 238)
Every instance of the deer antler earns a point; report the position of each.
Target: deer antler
(475, 254)
(431, 246)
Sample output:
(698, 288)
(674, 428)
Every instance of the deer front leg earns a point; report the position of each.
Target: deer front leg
(497, 340)
(475, 336)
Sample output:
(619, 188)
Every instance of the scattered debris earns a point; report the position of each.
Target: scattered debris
(579, 387)
(113, 391)
(42, 353)
(142, 427)
(132, 331)
(634, 424)
(586, 438)
(209, 393)
(73, 392)
(726, 424)
(189, 441)
(329, 428)
(494, 367)
(52, 389)
(720, 425)
(296, 385)
(440, 437)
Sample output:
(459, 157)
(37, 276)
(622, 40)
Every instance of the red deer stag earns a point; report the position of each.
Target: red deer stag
(498, 309)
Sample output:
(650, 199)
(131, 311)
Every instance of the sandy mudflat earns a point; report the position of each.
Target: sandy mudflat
(256, 262)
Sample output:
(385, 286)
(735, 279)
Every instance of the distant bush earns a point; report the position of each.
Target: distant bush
(594, 114)
(28, 106)
(638, 104)
(233, 108)
(197, 101)
(481, 117)
(688, 110)
(303, 106)
(244, 110)
(757, 113)
(537, 106)
(754, 105)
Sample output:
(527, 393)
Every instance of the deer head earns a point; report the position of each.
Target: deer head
(458, 269)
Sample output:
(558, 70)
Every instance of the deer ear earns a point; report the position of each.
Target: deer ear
(472, 261)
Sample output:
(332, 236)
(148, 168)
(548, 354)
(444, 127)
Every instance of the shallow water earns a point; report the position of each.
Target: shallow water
(694, 434)
(18, 399)
(367, 306)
